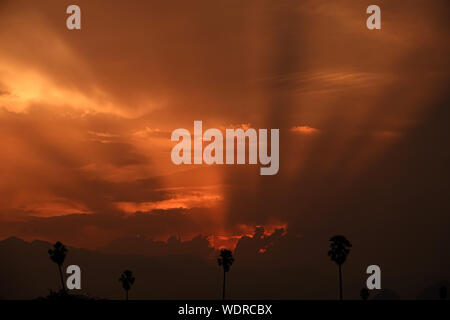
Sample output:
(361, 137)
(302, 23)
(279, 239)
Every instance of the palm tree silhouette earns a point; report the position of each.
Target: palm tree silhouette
(58, 255)
(127, 280)
(225, 260)
(339, 249)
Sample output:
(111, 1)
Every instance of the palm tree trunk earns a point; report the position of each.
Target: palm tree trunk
(340, 282)
(223, 287)
(126, 297)
(62, 279)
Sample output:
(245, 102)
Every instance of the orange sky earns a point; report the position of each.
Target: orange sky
(86, 116)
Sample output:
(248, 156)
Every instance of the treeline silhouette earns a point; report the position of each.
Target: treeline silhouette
(339, 249)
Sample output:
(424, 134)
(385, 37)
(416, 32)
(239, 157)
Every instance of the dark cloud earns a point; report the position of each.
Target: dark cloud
(92, 230)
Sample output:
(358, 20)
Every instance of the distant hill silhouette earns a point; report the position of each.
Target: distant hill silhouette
(65, 296)
(386, 294)
(198, 246)
(432, 292)
(266, 267)
(26, 272)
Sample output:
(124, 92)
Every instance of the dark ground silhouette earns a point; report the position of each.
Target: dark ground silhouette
(273, 274)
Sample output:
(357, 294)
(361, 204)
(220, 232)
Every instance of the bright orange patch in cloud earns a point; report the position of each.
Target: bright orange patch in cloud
(229, 240)
(179, 201)
(304, 130)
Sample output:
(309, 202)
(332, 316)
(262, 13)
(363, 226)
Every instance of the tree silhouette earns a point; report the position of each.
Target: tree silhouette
(443, 292)
(58, 255)
(225, 260)
(127, 280)
(364, 294)
(339, 249)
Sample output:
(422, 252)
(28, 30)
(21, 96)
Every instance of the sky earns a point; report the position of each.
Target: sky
(86, 118)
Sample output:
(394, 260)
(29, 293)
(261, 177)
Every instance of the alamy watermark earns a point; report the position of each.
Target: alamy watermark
(213, 153)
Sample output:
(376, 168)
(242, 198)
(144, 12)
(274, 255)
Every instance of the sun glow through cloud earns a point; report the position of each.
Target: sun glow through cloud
(86, 118)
